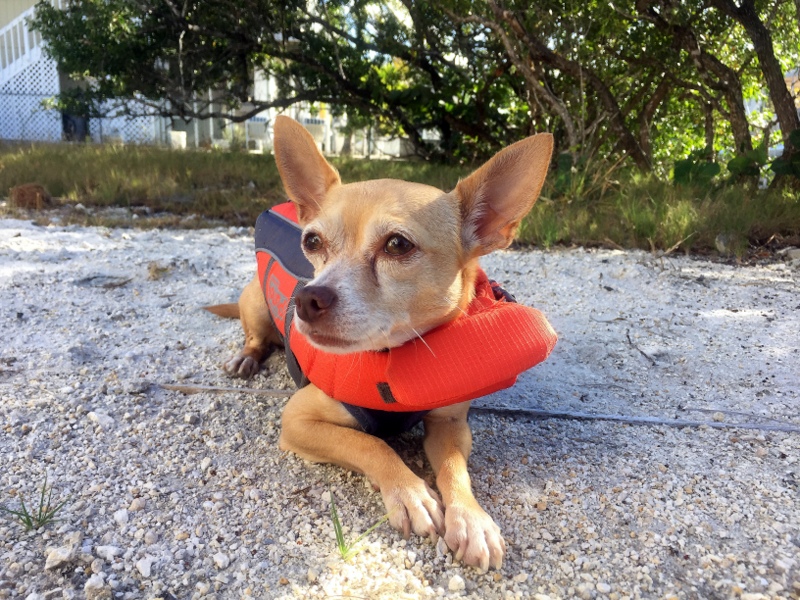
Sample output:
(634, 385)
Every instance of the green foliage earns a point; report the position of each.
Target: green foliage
(639, 82)
(348, 549)
(750, 163)
(696, 169)
(43, 514)
(644, 212)
(789, 165)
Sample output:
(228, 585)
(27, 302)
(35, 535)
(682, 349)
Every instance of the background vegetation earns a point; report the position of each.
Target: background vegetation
(674, 125)
(195, 189)
(636, 83)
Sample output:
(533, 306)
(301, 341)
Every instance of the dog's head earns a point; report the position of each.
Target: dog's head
(394, 259)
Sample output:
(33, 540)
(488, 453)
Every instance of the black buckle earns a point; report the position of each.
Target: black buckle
(501, 294)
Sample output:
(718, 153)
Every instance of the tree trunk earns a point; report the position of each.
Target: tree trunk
(782, 100)
(709, 130)
(347, 145)
(646, 115)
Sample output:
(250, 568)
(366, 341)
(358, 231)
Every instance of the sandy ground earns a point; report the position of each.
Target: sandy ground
(187, 496)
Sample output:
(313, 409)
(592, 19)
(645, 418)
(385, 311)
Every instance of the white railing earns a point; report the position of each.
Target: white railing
(20, 46)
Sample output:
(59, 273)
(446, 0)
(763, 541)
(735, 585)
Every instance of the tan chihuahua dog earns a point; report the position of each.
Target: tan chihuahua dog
(392, 260)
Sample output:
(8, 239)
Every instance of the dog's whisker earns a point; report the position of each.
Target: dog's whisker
(422, 339)
(452, 302)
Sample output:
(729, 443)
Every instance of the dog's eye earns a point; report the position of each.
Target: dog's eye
(397, 245)
(312, 242)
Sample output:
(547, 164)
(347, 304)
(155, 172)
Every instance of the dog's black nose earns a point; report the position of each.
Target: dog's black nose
(313, 302)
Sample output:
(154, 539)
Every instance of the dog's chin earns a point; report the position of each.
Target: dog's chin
(332, 344)
(337, 344)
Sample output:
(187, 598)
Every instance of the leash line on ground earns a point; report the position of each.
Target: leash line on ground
(630, 420)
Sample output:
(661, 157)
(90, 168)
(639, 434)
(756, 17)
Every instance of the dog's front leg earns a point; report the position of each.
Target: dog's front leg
(320, 429)
(469, 531)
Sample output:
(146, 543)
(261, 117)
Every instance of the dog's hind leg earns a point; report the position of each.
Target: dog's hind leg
(259, 333)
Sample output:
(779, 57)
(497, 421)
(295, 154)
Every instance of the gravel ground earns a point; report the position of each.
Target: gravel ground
(187, 496)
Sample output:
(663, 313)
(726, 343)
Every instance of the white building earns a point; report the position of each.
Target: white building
(29, 79)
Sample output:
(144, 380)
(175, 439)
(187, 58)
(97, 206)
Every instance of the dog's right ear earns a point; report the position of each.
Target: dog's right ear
(305, 173)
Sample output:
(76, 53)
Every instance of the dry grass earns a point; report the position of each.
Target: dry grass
(599, 206)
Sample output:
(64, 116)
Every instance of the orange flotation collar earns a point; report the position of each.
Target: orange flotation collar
(476, 354)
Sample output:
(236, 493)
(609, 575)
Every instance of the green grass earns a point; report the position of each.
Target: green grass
(42, 515)
(349, 549)
(654, 215)
(602, 205)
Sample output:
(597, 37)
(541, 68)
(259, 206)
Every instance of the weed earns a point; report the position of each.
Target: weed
(348, 550)
(44, 514)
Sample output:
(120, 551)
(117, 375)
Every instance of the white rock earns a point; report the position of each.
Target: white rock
(101, 418)
(137, 504)
(58, 557)
(121, 517)
(203, 588)
(456, 583)
(205, 464)
(521, 578)
(150, 537)
(441, 548)
(107, 553)
(143, 565)
(95, 588)
(221, 560)
(191, 419)
(603, 588)
(312, 576)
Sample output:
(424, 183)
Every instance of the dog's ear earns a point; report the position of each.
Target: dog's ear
(305, 173)
(496, 197)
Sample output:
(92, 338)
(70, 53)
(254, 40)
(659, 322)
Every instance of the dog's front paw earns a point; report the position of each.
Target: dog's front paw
(474, 537)
(413, 506)
(242, 365)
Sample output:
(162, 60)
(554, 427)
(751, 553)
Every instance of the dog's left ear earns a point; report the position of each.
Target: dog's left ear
(496, 197)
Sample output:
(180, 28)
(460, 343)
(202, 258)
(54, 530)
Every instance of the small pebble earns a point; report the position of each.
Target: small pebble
(58, 557)
(107, 553)
(456, 583)
(95, 588)
(137, 504)
(121, 517)
(221, 560)
(144, 565)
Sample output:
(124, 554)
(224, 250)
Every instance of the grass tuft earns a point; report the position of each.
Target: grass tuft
(43, 514)
(348, 549)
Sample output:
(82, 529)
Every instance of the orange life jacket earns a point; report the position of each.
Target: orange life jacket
(476, 354)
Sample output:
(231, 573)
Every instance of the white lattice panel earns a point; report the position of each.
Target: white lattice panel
(128, 130)
(22, 116)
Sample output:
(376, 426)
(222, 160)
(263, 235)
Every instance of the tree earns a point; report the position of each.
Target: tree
(639, 82)
(747, 16)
